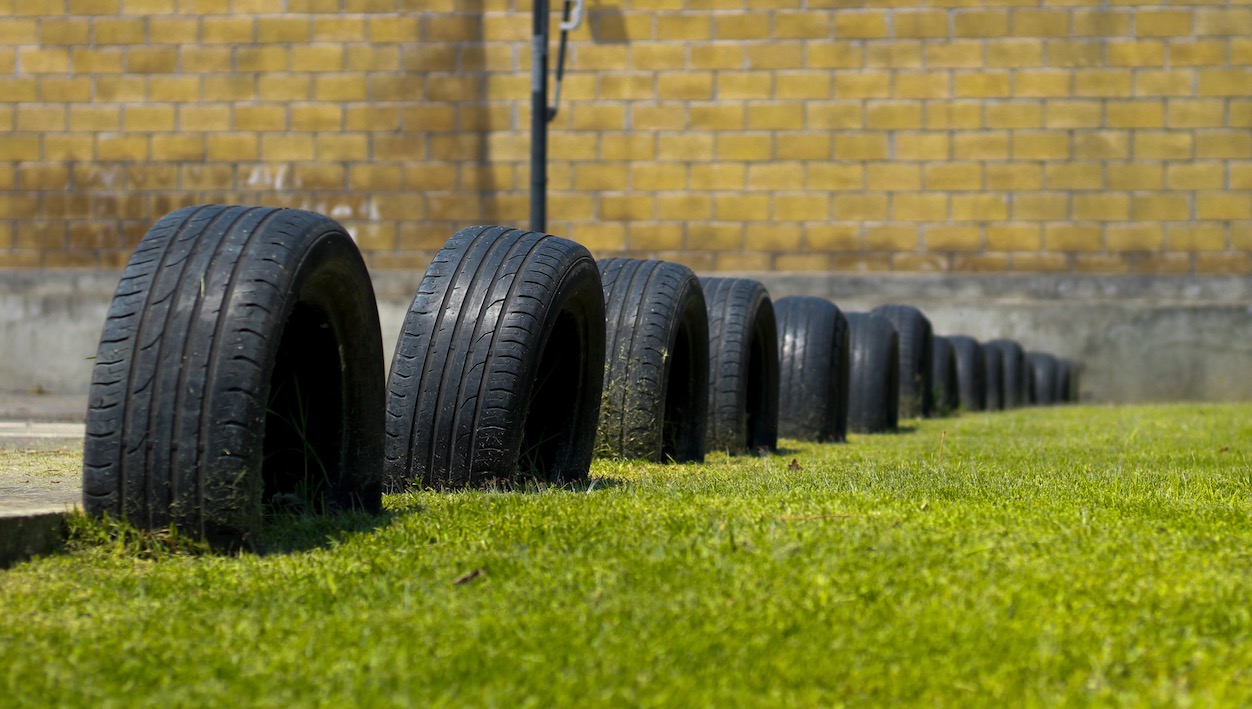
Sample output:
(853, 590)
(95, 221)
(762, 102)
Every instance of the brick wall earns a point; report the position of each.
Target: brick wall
(727, 134)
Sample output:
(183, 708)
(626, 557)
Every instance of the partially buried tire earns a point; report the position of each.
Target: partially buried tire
(874, 389)
(743, 366)
(1044, 378)
(1014, 381)
(240, 366)
(916, 350)
(994, 358)
(943, 377)
(656, 372)
(971, 372)
(497, 372)
(813, 369)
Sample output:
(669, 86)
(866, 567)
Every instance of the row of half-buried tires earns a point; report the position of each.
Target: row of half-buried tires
(240, 370)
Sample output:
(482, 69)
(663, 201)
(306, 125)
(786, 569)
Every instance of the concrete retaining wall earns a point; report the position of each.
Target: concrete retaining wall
(1139, 338)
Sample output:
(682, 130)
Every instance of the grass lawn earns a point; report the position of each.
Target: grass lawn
(1038, 557)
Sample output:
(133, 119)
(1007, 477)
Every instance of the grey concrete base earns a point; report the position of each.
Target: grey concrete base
(28, 533)
(1139, 338)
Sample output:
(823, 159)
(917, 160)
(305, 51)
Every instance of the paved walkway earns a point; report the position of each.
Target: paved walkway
(41, 441)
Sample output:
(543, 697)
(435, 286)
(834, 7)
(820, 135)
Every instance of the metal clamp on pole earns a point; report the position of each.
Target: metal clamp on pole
(573, 17)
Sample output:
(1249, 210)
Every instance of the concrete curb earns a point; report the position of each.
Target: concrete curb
(31, 532)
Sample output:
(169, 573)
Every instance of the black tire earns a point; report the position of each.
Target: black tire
(993, 356)
(1045, 379)
(743, 366)
(655, 404)
(943, 377)
(813, 369)
(874, 389)
(498, 370)
(1066, 381)
(240, 364)
(971, 372)
(1015, 381)
(916, 351)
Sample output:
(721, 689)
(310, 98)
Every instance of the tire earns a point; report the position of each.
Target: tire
(813, 370)
(874, 359)
(743, 366)
(971, 372)
(916, 351)
(498, 369)
(993, 356)
(1066, 381)
(1045, 379)
(943, 376)
(655, 404)
(1015, 382)
(240, 364)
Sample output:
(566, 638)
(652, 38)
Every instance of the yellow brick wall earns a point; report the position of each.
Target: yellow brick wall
(885, 135)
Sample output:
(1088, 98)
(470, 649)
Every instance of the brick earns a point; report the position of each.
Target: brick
(231, 88)
(922, 84)
(864, 206)
(804, 85)
(1226, 144)
(775, 176)
(1224, 263)
(954, 116)
(666, 116)
(742, 207)
(920, 24)
(802, 262)
(1015, 115)
(893, 54)
(654, 237)
(863, 85)
(835, 177)
(1164, 82)
(919, 207)
(1076, 175)
(802, 207)
(1197, 53)
(297, 29)
(1223, 205)
(861, 25)
(1015, 53)
(861, 146)
(954, 55)
(1160, 207)
(204, 117)
(1196, 237)
(65, 89)
(744, 85)
(1163, 23)
(1226, 21)
(1136, 53)
(834, 55)
(149, 118)
(227, 30)
(954, 176)
(718, 56)
(232, 147)
(801, 25)
(1100, 83)
(685, 147)
(123, 147)
(919, 262)
(1100, 263)
(980, 207)
(834, 115)
(746, 25)
(1135, 114)
(656, 56)
(1195, 176)
(953, 238)
(1042, 84)
(880, 115)
(1072, 237)
(717, 176)
(1223, 82)
(1135, 176)
(1163, 145)
(69, 147)
(685, 86)
(684, 207)
(656, 176)
(1014, 176)
(860, 263)
(43, 60)
(1014, 237)
(982, 84)
(715, 237)
(893, 177)
(922, 146)
(1241, 236)
(1041, 206)
(1075, 53)
(1101, 207)
(776, 116)
(1032, 22)
(1241, 176)
(832, 237)
(990, 145)
(1134, 237)
(118, 30)
(39, 118)
(743, 262)
(891, 238)
(767, 56)
(316, 117)
(980, 23)
(97, 118)
(1100, 23)
(287, 148)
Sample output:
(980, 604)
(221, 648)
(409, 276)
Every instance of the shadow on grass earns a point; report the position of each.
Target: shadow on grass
(294, 533)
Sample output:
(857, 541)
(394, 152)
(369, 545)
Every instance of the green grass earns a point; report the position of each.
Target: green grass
(1039, 557)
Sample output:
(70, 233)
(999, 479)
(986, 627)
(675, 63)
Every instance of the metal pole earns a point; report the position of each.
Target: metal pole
(539, 119)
